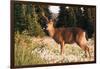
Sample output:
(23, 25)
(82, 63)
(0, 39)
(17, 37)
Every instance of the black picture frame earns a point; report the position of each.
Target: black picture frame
(12, 64)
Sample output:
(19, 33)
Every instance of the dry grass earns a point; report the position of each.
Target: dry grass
(23, 51)
(51, 52)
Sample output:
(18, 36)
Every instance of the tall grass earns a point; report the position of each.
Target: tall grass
(23, 51)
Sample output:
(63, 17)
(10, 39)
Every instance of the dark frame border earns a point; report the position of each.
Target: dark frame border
(42, 65)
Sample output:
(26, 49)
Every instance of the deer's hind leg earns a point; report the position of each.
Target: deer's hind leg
(86, 49)
(82, 42)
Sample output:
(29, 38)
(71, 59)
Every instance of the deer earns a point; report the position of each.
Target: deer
(67, 35)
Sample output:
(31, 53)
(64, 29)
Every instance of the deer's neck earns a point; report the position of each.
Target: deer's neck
(52, 32)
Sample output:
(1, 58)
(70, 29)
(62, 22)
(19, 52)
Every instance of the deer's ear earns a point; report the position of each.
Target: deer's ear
(50, 21)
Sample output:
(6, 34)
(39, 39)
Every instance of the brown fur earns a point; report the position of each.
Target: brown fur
(68, 35)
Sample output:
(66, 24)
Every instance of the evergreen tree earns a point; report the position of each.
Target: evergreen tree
(26, 18)
(84, 21)
(62, 17)
(34, 26)
(66, 17)
(19, 17)
(72, 17)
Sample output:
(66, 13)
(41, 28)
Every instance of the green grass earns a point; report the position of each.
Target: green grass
(23, 51)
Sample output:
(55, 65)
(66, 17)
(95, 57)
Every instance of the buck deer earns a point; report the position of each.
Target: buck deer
(68, 35)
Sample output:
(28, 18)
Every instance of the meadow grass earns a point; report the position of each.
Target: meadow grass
(35, 50)
(23, 51)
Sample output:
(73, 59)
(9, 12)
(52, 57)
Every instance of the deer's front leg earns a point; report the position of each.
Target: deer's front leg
(62, 47)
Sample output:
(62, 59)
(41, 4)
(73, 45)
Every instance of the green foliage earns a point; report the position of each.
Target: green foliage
(19, 12)
(28, 17)
(34, 27)
(84, 20)
(66, 17)
(63, 17)
(72, 17)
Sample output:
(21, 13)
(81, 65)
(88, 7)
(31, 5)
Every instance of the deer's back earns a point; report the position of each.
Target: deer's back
(68, 35)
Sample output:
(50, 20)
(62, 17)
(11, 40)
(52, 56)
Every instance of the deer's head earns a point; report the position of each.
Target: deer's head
(49, 22)
(50, 25)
